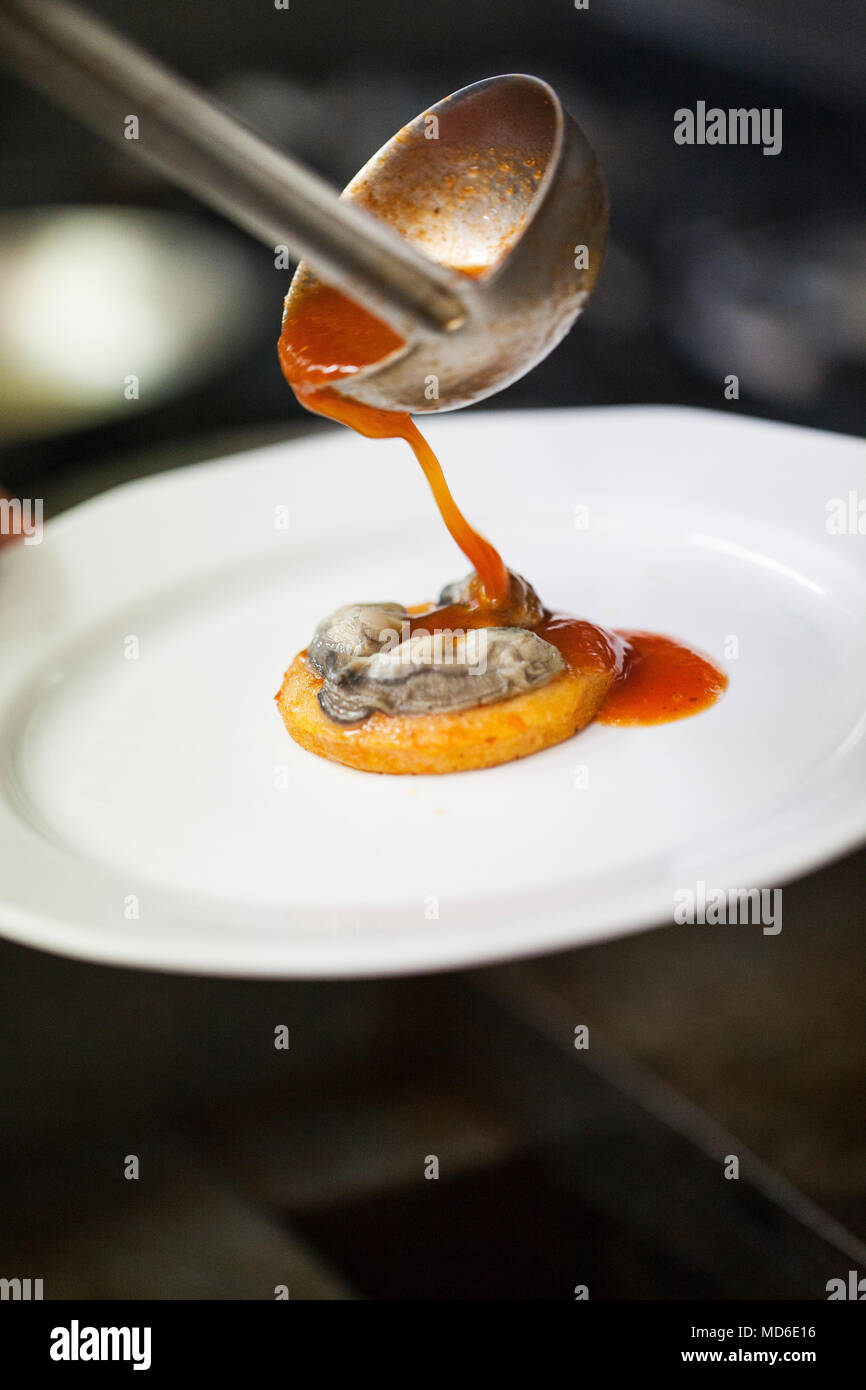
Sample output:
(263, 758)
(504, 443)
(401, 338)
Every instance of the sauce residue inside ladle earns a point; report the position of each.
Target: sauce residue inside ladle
(327, 337)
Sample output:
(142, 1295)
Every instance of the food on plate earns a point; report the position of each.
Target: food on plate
(485, 675)
(386, 690)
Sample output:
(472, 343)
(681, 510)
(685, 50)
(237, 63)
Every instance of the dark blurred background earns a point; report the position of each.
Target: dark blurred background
(558, 1167)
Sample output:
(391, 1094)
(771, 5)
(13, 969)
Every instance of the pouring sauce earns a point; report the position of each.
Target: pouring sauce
(327, 337)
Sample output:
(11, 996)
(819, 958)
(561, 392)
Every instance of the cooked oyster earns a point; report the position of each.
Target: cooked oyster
(525, 608)
(356, 630)
(428, 673)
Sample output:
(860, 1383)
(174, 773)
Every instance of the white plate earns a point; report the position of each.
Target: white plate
(166, 786)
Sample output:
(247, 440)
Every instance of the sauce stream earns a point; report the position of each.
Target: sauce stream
(326, 338)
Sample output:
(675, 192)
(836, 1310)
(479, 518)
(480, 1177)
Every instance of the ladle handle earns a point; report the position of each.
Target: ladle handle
(95, 73)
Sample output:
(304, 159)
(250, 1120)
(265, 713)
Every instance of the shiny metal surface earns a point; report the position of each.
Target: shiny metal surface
(499, 180)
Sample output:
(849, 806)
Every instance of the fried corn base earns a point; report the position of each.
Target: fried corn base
(452, 741)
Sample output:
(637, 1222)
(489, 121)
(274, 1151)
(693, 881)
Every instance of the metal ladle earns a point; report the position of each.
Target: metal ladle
(496, 179)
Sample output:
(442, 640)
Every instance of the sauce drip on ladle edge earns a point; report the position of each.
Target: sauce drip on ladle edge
(327, 337)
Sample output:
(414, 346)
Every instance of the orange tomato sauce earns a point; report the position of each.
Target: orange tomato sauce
(328, 338)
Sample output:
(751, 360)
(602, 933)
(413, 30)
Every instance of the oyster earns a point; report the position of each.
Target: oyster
(369, 662)
(355, 631)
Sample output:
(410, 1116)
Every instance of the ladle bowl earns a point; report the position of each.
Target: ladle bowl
(498, 181)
